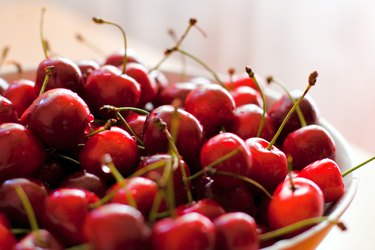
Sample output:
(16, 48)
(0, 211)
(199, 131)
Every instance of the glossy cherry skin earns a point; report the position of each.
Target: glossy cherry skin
(116, 226)
(136, 122)
(246, 122)
(241, 81)
(65, 212)
(8, 112)
(236, 231)
(87, 67)
(212, 105)
(66, 74)
(207, 207)
(327, 175)
(246, 95)
(156, 174)
(7, 239)
(189, 138)
(142, 190)
(11, 205)
(22, 154)
(118, 144)
(175, 91)
(190, 231)
(108, 86)
(117, 58)
(59, 117)
(309, 144)
(21, 93)
(269, 166)
(42, 239)
(289, 206)
(240, 163)
(149, 88)
(279, 109)
(86, 181)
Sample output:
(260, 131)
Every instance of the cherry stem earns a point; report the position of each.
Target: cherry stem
(107, 126)
(20, 231)
(29, 212)
(43, 41)
(86, 246)
(107, 162)
(4, 55)
(149, 168)
(89, 44)
(290, 168)
(312, 81)
(65, 158)
(183, 61)
(48, 73)
(297, 226)
(356, 167)
(122, 119)
(101, 21)
(166, 182)
(231, 72)
(121, 109)
(251, 74)
(155, 206)
(301, 118)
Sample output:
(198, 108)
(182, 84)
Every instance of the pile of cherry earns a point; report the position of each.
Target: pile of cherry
(115, 156)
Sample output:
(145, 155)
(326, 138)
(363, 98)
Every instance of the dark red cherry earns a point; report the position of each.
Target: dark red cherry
(108, 86)
(12, 206)
(59, 117)
(160, 79)
(136, 122)
(87, 67)
(207, 207)
(22, 154)
(116, 226)
(116, 142)
(291, 204)
(41, 240)
(246, 95)
(189, 137)
(8, 112)
(309, 144)
(65, 212)
(189, 231)
(117, 58)
(21, 93)
(327, 175)
(212, 105)
(86, 181)
(175, 91)
(66, 74)
(246, 122)
(236, 231)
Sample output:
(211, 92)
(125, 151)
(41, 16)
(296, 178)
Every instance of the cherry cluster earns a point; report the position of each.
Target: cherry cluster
(115, 156)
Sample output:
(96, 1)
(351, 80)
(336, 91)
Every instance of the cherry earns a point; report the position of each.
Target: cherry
(21, 93)
(246, 95)
(242, 81)
(12, 206)
(212, 105)
(116, 226)
(59, 117)
(118, 144)
(8, 112)
(22, 154)
(65, 212)
(188, 139)
(7, 239)
(236, 231)
(189, 231)
(136, 122)
(238, 163)
(41, 239)
(117, 58)
(327, 175)
(290, 204)
(207, 207)
(87, 67)
(174, 91)
(309, 144)
(246, 122)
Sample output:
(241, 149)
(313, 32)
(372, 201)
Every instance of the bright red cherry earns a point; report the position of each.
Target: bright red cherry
(21, 93)
(207, 207)
(22, 154)
(116, 226)
(8, 112)
(236, 231)
(327, 175)
(246, 95)
(190, 231)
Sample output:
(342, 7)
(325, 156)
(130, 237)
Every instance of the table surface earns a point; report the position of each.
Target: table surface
(358, 218)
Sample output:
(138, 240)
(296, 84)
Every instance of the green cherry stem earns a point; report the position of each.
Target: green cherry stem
(251, 74)
(311, 82)
(86, 246)
(347, 172)
(102, 21)
(122, 119)
(43, 41)
(48, 73)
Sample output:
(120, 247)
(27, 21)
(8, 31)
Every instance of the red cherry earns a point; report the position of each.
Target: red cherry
(290, 205)
(87, 67)
(22, 154)
(21, 93)
(327, 175)
(117, 58)
(59, 117)
(41, 239)
(246, 95)
(269, 166)
(239, 163)
(207, 207)
(65, 212)
(309, 144)
(116, 226)
(7, 239)
(8, 112)
(236, 231)
(190, 231)
(118, 144)
(242, 81)
(136, 122)
(108, 86)
(212, 105)
(179, 91)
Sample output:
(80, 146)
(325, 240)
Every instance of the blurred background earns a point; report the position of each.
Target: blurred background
(287, 39)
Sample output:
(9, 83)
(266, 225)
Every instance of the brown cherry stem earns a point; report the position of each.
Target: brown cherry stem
(290, 168)
(356, 167)
(48, 73)
(42, 40)
(4, 55)
(107, 126)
